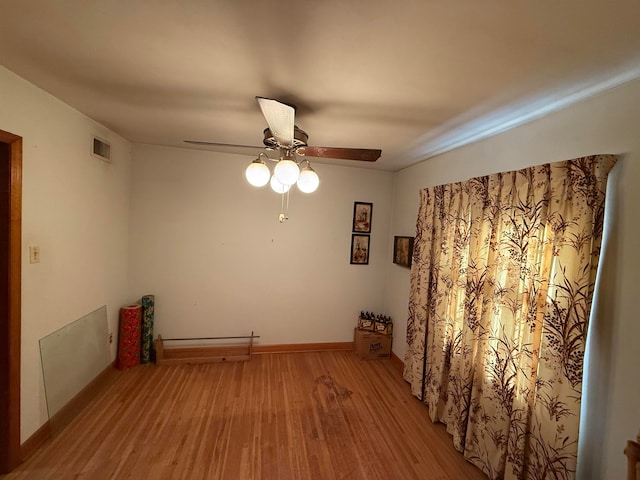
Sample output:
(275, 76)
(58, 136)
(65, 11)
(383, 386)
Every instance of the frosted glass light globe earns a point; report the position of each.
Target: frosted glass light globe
(308, 181)
(287, 172)
(257, 173)
(277, 187)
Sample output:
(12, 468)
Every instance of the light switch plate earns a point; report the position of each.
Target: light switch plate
(34, 254)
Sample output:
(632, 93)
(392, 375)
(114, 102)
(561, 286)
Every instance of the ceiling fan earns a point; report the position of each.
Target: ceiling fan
(284, 137)
(290, 144)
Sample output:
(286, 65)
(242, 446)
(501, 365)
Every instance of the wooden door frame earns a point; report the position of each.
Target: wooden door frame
(12, 342)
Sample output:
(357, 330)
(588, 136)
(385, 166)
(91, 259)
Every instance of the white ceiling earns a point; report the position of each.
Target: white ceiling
(412, 77)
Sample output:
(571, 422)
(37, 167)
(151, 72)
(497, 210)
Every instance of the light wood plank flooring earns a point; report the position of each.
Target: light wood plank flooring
(324, 415)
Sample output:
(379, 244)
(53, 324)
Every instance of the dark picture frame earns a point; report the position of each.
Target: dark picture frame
(403, 251)
(360, 249)
(362, 215)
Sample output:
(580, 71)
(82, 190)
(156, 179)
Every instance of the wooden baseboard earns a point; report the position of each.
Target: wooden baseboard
(66, 413)
(302, 347)
(35, 441)
(397, 363)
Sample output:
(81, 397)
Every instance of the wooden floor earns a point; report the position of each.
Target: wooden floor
(323, 416)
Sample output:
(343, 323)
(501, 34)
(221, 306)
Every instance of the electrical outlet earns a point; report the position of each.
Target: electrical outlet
(34, 254)
(110, 337)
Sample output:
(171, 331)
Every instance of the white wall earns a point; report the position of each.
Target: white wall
(210, 247)
(75, 207)
(608, 123)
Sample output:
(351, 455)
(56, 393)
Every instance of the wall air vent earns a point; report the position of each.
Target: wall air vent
(101, 149)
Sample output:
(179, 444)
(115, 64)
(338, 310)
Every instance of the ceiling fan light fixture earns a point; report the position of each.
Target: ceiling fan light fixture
(287, 172)
(308, 181)
(278, 187)
(283, 136)
(257, 173)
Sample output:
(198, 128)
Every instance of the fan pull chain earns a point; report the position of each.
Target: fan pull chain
(283, 210)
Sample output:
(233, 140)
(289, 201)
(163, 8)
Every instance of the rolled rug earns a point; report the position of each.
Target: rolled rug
(129, 337)
(147, 329)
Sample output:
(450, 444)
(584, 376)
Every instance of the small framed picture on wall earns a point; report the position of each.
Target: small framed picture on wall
(403, 251)
(362, 213)
(359, 249)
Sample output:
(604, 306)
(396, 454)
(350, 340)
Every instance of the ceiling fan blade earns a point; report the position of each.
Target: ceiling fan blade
(228, 147)
(362, 154)
(280, 117)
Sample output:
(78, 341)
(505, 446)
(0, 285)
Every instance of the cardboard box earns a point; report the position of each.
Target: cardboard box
(371, 346)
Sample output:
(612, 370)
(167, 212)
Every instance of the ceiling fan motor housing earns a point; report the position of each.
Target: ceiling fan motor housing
(300, 138)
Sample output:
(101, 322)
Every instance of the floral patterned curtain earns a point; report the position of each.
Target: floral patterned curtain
(503, 274)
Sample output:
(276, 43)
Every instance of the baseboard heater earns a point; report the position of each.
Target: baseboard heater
(175, 354)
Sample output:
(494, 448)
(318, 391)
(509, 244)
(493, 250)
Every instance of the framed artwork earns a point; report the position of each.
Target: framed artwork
(362, 217)
(403, 250)
(359, 249)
